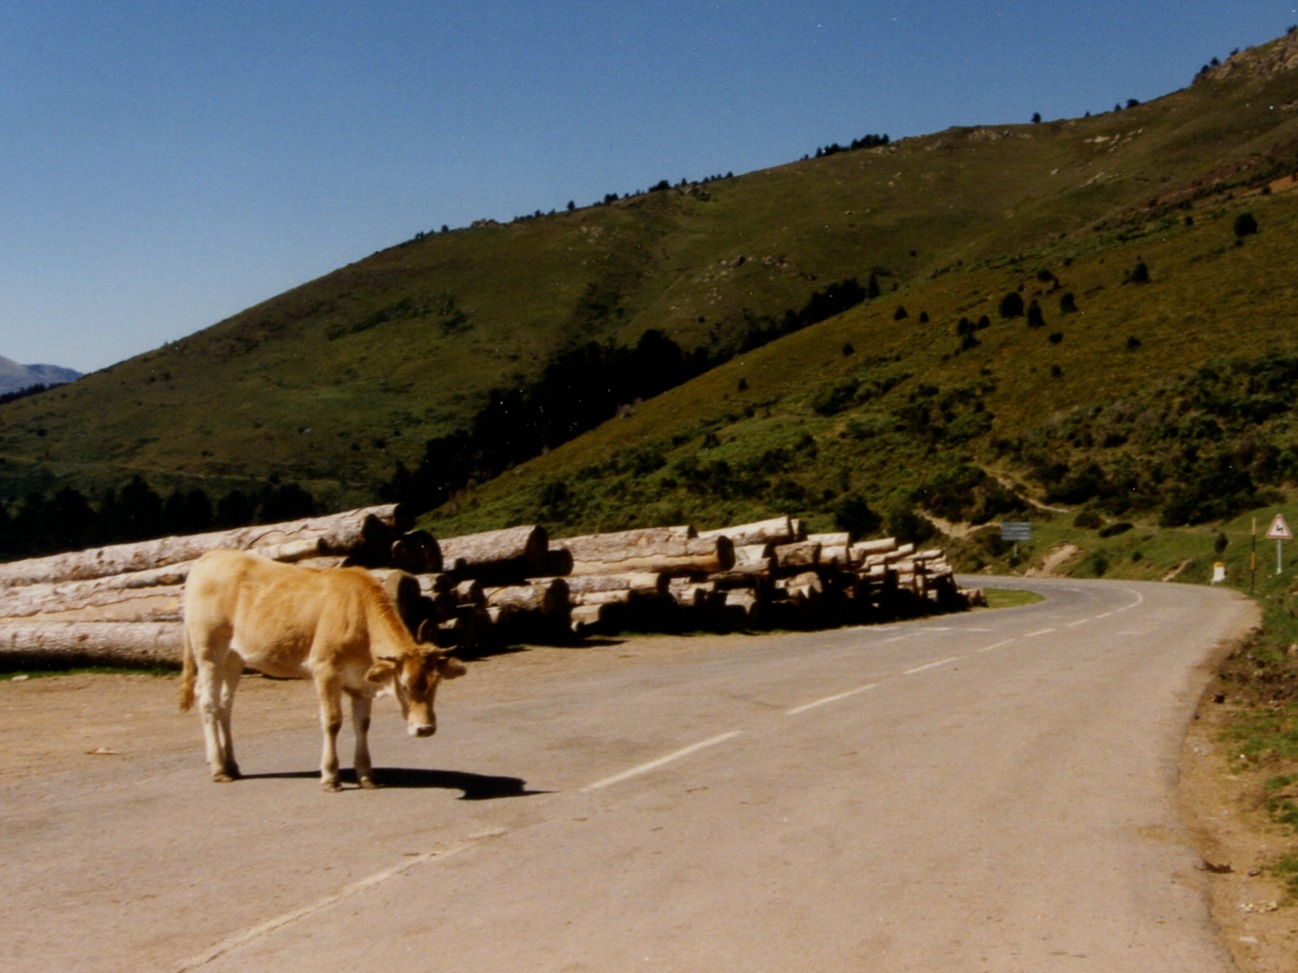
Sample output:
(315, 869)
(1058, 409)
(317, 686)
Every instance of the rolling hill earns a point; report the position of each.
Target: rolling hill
(1082, 313)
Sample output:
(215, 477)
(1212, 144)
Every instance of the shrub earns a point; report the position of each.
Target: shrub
(854, 515)
(1245, 225)
(1139, 274)
(1011, 305)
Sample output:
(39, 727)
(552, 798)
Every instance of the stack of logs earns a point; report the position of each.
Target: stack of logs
(121, 604)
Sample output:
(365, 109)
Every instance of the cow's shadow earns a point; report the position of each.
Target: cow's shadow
(475, 787)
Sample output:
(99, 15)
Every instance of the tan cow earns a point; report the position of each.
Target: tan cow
(335, 626)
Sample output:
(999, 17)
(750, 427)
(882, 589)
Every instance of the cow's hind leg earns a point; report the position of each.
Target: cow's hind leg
(329, 690)
(233, 670)
(361, 706)
(213, 702)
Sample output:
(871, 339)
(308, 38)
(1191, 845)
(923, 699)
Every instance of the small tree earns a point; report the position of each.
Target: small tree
(1245, 225)
(1012, 305)
(1139, 273)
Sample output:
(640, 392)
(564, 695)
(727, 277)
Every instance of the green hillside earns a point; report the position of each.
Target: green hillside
(1151, 379)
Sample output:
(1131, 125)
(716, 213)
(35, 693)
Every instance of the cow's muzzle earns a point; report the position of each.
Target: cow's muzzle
(422, 730)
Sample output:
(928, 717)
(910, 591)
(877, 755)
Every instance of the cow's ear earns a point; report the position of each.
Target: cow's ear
(451, 668)
(382, 670)
(427, 632)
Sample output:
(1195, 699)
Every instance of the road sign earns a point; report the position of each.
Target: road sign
(1016, 530)
(1279, 533)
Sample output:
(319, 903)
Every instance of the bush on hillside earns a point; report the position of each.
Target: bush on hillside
(1011, 305)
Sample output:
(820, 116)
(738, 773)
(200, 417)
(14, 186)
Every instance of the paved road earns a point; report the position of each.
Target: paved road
(993, 791)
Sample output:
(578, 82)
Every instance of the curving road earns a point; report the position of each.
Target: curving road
(991, 791)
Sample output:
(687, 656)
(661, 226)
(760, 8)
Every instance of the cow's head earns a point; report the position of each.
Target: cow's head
(414, 677)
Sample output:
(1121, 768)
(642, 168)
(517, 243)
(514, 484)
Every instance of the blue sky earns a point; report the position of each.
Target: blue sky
(165, 164)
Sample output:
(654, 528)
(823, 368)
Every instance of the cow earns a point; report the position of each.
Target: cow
(336, 626)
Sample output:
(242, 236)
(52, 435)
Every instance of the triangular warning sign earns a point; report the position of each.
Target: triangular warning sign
(1279, 530)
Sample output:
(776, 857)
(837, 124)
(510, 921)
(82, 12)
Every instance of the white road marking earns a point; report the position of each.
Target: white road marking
(996, 645)
(1080, 621)
(231, 943)
(661, 761)
(828, 699)
(1041, 631)
(930, 665)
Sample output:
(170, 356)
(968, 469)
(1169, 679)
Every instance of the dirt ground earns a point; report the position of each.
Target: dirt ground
(1258, 922)
(55, 724)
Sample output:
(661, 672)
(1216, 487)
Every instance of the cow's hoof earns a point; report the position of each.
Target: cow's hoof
(224, 778)
(369, 784)
(331, 785)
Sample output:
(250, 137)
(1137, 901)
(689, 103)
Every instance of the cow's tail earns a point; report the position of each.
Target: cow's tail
(187, 671)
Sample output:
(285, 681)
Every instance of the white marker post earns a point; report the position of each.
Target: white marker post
(1279, 533)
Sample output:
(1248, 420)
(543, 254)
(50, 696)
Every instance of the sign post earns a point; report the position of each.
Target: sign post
(1279, 533)
(1016, 531)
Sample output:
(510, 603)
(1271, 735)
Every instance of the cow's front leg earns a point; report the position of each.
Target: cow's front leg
(361, 706)
(331, 721)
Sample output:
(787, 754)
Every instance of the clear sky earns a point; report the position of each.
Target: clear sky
(165, 164)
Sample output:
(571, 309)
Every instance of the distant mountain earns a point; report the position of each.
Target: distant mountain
(15, 377)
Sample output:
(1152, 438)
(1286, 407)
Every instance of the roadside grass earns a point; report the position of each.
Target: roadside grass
(1010, 597)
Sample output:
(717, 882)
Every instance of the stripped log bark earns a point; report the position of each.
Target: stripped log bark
(62, 644)
(670, 550)
(798, 556)
(777, 530)
(648, 584)
(754, 560)
(544, 597)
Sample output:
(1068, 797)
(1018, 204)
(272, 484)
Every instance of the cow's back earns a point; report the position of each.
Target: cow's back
(272, 614)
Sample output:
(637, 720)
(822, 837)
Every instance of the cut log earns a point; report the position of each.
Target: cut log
(693, 594)
(336, 533)
(618, 597)
(754, 560)
(545, 597)
(417, 552)
(504, 555)
(470, 593)
(777, 530)
(798, 556)
(805, 587)
(744, 605)
(670, 550)
(587, 619)
(648, 584)
(62, 644)
(863, 550)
